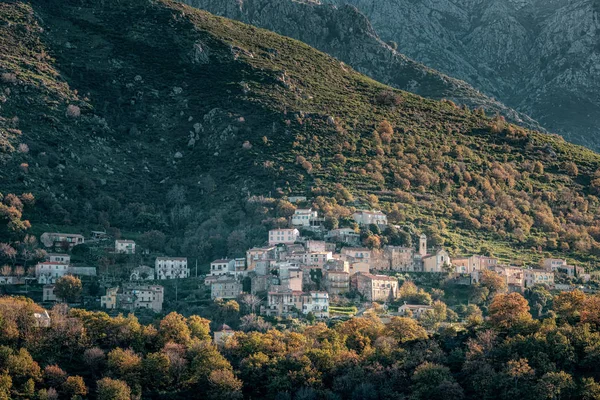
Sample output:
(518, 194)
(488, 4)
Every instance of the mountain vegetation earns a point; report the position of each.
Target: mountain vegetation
(153, 117)
(539, 57)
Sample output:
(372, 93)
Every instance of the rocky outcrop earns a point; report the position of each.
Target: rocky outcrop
(345, 33)
(541, 57)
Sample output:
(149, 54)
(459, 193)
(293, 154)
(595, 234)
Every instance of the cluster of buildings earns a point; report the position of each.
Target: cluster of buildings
(137, 294)
(295, 275)
(298, 275)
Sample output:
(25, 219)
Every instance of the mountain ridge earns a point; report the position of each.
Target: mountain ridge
(538, 57)
(347, 34)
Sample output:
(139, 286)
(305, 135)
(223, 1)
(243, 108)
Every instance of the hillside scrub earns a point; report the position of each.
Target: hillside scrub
(228, 111)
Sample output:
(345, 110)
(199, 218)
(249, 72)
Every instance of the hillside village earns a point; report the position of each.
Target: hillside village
(303, 270)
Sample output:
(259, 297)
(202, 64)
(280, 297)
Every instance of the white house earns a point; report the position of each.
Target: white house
(142, 296)
(258, 254)
(366, 217)
(48, 272)
(317, 258)
(316, 303)
(296, 199)
(356, 253)
(303, 217)
(283, 236)
(124, 246)
(171, 267)
(343, 235)
(58, 257)
(222, 267)
(468, 265)
(222, 334)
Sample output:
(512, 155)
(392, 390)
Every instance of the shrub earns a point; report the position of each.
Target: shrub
(388, 98)
(73, 111)
(8, 77)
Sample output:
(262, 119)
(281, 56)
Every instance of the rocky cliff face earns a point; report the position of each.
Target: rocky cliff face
(347, 34)
(541, 57)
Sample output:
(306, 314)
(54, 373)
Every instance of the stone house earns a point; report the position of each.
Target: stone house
(375, 287)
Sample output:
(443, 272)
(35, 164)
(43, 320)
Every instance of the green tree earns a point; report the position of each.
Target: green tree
(199, 327)
(5, 386)
(153, 240)
(435, 382)
(555, 385)
(590, 389)
(156, 371)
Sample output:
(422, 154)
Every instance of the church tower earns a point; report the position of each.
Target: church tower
(423, 245)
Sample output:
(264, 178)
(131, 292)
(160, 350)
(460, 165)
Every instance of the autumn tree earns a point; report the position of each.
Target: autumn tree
(174, 328)
(74, 386)
(493, 281)
(199, 327)
(113, 389)
(518, 370)
(223, 385)
(68, 288)
(405, 329)
(509, 311)
(590, 312)
(555, 385)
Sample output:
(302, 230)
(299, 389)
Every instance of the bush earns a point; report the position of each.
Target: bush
(388, 98)
(73, 111)
(8, 77)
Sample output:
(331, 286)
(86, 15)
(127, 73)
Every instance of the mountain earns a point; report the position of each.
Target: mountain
(152, 115)
(347, 34)
(537, 56)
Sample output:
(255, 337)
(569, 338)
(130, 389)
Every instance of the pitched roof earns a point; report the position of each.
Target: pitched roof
(222, 261)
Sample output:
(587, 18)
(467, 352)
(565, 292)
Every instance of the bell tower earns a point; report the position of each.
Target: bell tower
(423, 245)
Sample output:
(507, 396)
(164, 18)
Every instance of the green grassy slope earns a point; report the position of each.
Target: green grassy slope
(170, 95)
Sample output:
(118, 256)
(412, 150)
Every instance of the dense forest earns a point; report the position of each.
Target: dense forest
(507, 355)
